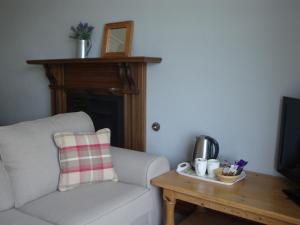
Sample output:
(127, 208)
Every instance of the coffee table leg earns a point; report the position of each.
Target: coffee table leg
(170, 201)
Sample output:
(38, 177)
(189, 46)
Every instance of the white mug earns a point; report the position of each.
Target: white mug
(200, 166)
(212, 164)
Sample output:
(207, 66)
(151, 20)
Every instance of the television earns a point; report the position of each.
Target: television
(289, 145)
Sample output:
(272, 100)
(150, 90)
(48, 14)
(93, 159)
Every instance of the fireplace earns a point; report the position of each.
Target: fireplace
(105, 111)
(111, 90)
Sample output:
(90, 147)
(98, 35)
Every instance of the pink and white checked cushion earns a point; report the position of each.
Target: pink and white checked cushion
(84, 158)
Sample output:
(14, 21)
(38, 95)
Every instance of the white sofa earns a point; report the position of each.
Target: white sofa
(29, 173)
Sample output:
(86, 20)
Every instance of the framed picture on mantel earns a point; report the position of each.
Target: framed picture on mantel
(117, 39)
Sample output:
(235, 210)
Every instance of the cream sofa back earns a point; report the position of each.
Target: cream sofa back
(6, 197)
(30, 155)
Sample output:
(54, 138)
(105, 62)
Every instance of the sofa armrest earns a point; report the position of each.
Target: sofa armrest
(138, 167)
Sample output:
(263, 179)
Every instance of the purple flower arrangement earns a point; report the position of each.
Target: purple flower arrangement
(82, 32)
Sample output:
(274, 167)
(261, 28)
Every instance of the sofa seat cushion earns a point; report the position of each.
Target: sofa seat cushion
(15, 217)
(6, 196)
(108, 202)
(30, 155)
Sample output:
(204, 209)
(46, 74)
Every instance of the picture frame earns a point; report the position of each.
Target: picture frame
(117, 39)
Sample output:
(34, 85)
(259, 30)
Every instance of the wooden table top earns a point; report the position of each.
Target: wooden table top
(257, 193)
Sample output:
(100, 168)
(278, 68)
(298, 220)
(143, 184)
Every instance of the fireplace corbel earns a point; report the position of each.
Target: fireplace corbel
(124, 77)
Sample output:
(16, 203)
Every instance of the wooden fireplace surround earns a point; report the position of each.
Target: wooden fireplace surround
(104, 76)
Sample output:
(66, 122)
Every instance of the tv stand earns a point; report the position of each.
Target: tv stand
(293, 194)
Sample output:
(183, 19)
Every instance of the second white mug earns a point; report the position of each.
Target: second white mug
(212, 164)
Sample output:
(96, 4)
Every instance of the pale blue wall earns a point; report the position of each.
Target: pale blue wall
(226, 64)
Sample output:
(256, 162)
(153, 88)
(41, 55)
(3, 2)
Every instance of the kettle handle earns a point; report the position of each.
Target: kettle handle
(216, 147)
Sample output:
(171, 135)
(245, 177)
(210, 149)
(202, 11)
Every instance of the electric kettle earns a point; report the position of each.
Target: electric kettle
(206, 147)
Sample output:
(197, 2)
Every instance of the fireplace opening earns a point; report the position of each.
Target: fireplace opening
(105, 111)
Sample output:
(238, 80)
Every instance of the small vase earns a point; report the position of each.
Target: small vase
(83, 48)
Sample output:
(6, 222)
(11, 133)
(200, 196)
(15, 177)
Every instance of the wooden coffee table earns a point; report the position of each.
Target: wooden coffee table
(258, 198)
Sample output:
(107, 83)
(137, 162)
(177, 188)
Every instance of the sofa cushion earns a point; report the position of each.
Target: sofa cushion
(6, 197)
(15, 217)
(112, 203)
(84, 158)
(30, 155)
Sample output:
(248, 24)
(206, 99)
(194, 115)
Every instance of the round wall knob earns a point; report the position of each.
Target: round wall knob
(156, 126)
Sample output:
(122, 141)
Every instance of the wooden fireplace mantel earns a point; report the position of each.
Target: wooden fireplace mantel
(124, 76)
(133, 59)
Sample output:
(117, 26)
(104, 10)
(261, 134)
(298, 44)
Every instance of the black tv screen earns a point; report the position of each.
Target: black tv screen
(289, 149)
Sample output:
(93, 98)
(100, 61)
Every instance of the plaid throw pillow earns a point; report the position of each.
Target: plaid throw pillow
(84, 158)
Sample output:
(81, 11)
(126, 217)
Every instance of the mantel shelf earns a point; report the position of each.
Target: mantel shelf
(135, 59)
